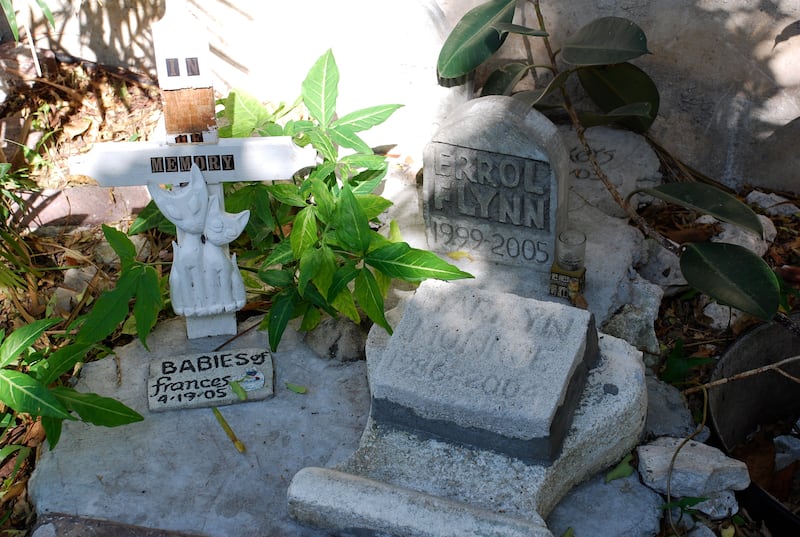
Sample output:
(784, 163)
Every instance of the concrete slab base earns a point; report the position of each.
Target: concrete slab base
(420, 478)
(177, 470)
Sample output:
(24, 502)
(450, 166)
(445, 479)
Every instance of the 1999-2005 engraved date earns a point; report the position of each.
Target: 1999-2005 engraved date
(461, 237)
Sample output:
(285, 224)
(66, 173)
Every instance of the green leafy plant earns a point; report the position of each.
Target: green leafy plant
(678, 365)
(312, 241)
(321, 254)
(599, 54)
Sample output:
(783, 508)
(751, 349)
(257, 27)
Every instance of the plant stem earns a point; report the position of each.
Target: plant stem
(749, 373)
(580, 131)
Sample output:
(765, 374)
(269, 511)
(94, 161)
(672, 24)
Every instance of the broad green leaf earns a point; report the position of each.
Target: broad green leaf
(121, 245)
(377, 241)
(504, 27)
(304, 232)
(367, 181)
(708, 199)
(281, 312)
(281, 254)
(52, 430)
(310, 263)
(352, 226)
(399, 260)
(370, 299)
(11, 17)
(324, 172)
(394, 232)
(20, 339)
(23, 393)
(343, 276)
(474, 38)
(311, 319)
(678, 366)
(346, 305)
(373, 205)
(605, 41)
(96, 409)
(627, 113)
(323, 199)
(733, 276)
(276, 278)
(361, 160)
(296, 388)
(109, 310)
(366, 118)
(320, 89)
(313, 296)
(152, 217)
(323, 144)
(612, 87)
(327, 269)
(244, 114)
(287, 193)
(148, 303)
(534, 97)
(502, 81)
(346, 137)
(63, 360)
(621, 470)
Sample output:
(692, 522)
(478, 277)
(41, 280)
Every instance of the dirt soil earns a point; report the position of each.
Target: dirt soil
(75, 104)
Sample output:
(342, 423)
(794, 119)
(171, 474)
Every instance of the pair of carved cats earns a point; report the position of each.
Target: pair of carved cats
(204, 279)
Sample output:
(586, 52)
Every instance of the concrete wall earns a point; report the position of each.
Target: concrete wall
(727, 69)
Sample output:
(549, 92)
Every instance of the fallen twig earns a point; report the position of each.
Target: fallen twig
(749, 373)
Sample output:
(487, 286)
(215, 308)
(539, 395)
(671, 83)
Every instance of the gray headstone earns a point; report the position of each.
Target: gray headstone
(495, 176)
(491, 370)
(204, 379)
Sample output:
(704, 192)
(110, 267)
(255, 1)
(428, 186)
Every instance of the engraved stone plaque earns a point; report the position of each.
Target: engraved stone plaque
(495, 176)
(204, 379)
(492, 370)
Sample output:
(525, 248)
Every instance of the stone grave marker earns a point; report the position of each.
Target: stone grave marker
(205, 284)
(487, 408)
(495, 184)
(494, 371)
(205, 379)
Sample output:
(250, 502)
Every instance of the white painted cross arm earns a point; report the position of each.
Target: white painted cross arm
(229, 160)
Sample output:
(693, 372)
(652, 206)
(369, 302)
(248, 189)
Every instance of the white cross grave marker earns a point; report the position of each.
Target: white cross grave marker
(205, 283)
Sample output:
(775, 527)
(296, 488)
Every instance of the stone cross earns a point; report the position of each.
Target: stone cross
(205, 283)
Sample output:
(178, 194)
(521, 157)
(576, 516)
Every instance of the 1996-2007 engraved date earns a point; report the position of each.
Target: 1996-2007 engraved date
(501, 246)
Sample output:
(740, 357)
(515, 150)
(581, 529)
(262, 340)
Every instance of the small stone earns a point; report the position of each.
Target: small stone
(745, 238)
(699, 470)
(723, 317)
(667, 412)
(773, 204)
(662, 268)
(787, 451)
(338, 339)
(718, 506)
(634, 321)
(622, 508)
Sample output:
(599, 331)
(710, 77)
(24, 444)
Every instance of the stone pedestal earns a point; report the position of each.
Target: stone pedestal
(444, 455)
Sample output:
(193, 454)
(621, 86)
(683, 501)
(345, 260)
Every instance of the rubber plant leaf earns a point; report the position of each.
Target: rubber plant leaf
(474, 38)
(605, 41)
(503, 80)
(618, 115)
(733, 276)
(710, 200)
(613, 87)
(534, 97)
(510, 28)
